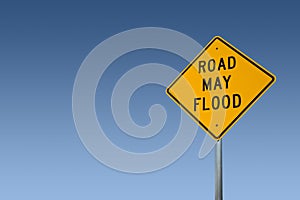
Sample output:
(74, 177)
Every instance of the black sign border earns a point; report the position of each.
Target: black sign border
(273, 78)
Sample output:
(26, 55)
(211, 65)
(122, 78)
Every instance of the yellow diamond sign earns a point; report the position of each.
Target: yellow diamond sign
(219, 86)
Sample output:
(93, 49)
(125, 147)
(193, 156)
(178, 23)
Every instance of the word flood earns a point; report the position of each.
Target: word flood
(217, 102)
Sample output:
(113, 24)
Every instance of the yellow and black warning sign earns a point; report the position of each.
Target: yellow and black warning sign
(219, 86)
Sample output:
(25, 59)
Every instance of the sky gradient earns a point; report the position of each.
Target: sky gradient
(42, 45)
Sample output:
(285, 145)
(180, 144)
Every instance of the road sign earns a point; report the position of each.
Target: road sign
(219, 86)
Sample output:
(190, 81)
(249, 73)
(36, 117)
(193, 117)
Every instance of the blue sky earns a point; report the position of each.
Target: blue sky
(42, 45)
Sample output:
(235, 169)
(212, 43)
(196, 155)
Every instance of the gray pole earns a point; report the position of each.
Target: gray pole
(218, 171)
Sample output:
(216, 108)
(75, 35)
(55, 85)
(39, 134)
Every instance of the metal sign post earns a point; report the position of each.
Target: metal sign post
(218, 171)
(216, 89)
